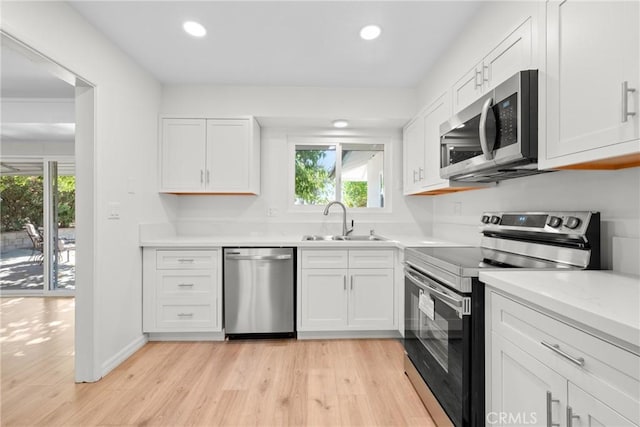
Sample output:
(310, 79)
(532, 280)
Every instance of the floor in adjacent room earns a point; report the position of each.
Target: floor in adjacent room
(268, 383)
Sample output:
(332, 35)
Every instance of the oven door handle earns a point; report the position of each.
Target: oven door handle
(456, 304)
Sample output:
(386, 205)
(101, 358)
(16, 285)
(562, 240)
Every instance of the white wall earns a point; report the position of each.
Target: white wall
(615, 194)
(456, 216)
(124, 167)
(293, 105)
(250, 213)
(289, 102)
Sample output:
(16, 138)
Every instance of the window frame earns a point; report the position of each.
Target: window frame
(338, 141)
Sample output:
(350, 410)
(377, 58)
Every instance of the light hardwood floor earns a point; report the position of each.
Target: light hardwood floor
(268, 383)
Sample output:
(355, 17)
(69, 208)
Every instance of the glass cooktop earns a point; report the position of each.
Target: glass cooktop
(467, 261)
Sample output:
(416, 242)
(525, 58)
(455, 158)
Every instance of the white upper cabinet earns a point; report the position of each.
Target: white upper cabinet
(593, 82)
(218, 156)
(413, 155)
(183, 154)
(422, 151)
(513, 54)
(437, 113)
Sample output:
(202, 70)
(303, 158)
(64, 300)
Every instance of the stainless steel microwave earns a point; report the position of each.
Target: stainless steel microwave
(496, 137)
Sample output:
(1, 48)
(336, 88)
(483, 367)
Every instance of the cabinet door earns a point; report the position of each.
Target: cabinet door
(512, 55)
(586, 410)
(228, 156)
(523, 389)
(592, 49)
(467, 89)
(323, 299)
(437, 113)
(182, 155)
(413, 153)
(371, 298)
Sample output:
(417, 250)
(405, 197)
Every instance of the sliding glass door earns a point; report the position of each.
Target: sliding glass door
(38, 232)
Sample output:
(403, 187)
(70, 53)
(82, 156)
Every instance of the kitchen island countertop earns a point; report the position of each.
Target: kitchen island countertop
(602, 302)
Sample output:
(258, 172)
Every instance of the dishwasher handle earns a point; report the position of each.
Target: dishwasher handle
(258, 257)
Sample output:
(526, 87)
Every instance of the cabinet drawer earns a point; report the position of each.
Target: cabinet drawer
(185, 283)
(610, 373)
(188, 260)
(325, 259)
(185, 316)
(371, 258)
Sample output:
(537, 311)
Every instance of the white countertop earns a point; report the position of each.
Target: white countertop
(605, 302)
(288, 240)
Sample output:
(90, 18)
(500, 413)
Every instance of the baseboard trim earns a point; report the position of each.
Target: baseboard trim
(114, 361)
(314, 335)
(186, 336)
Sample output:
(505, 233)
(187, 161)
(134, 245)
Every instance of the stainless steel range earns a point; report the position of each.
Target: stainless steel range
(444, 301)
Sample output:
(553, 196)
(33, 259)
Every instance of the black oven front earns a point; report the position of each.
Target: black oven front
(444, 339)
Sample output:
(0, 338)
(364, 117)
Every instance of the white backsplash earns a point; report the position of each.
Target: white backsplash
(615, 194)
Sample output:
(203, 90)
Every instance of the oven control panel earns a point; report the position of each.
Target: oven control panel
(546, 222)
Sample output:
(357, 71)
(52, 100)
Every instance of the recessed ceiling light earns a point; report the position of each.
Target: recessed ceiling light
(340, 123)
(370, 32)
(195, 29)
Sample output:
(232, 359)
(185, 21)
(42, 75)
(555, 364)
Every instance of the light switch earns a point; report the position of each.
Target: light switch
(113, 210)
(131, 185)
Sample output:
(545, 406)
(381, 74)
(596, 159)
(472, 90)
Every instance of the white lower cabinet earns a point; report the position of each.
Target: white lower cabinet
(521, 386)
(544, 372)
(370, 298)
(324, 298)
(181, 291)
(346, 299)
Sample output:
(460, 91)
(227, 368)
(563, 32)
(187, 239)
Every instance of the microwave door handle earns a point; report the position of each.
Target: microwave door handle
(488, 151)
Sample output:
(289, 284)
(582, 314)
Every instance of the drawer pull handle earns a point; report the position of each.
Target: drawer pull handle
(556, 348)
(185, 285)
(550, 402)
(185, 314)
(571, 416)
(626, 90)
(185, 260)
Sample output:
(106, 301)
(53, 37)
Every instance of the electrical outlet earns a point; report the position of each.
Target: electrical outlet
(113, 210)
(457, 208)
(272, 212)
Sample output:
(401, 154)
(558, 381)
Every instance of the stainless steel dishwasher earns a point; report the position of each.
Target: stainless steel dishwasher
(259, 296)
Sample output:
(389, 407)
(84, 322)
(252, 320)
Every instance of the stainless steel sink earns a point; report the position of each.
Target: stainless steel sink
(355, 237)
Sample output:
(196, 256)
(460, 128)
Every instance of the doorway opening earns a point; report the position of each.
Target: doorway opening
(48, 123)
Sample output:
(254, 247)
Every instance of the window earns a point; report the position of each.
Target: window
(350, 172)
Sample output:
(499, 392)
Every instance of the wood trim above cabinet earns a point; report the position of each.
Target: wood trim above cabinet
(447, 191)
(612, 163)
(207, 193)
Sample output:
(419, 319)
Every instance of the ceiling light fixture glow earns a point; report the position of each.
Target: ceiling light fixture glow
(195, 29)
(370, 32)
(340, 123)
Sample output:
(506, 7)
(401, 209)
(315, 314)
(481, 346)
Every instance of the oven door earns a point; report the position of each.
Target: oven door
(438, 340)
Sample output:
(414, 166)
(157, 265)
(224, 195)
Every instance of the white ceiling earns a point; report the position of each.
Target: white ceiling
(282, 43)
(21, 77)
(271, 43)
(24, 77)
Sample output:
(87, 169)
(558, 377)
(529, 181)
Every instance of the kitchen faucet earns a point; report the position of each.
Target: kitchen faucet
(345, 231)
